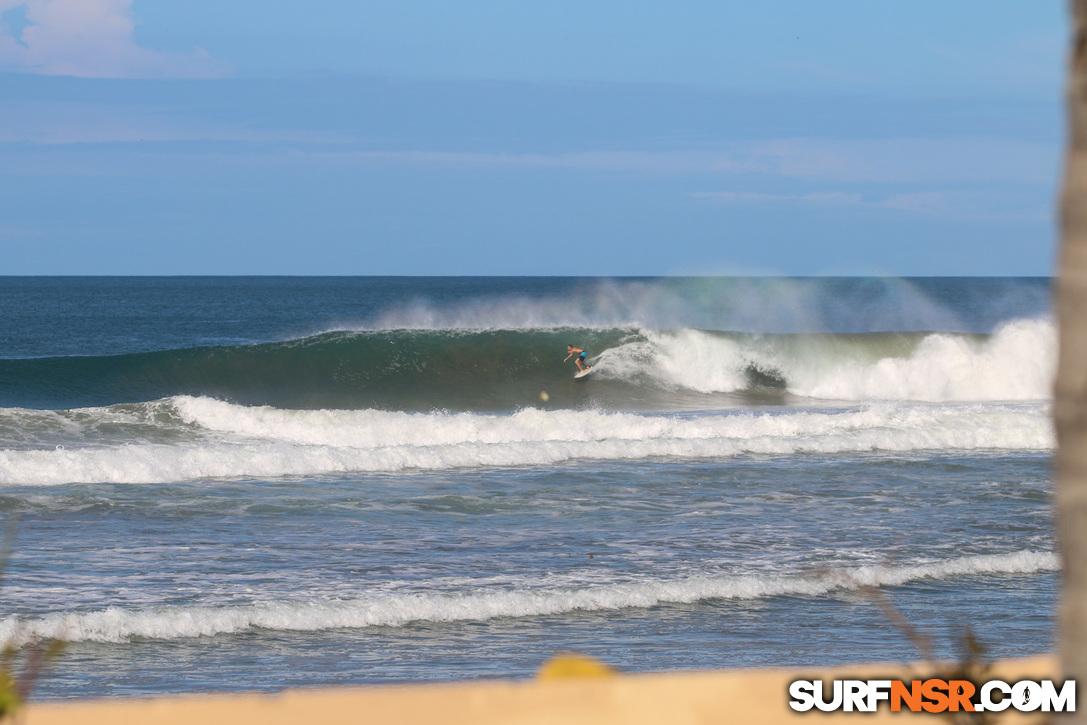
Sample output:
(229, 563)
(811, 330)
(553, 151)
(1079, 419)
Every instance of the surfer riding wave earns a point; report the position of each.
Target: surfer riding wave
(579, 360)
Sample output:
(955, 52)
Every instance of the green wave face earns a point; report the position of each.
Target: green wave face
(504, 370)
(398, 369)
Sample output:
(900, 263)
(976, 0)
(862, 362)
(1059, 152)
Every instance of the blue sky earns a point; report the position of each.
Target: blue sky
(607, 138)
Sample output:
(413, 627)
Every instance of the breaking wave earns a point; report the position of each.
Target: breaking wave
(502, 370)
(116, 624)
(187, 438)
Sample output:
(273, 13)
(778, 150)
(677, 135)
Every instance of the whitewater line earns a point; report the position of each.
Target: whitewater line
(223, 440)
(188, 621)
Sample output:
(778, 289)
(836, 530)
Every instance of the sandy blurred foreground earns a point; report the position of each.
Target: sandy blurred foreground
(568, 690)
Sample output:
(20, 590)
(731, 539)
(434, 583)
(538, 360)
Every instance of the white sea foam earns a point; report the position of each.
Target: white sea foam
(477, 604)
(1017, 362)
(222, 440)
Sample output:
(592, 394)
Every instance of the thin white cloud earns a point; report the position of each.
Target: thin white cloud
(928, 201)
(903, 160)
(988, 205)
(15, 233)
(90, 39)
(960, 160)
(69, 122)
(672, 162)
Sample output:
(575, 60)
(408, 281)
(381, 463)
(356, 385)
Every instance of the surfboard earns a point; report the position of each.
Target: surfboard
(583, 373)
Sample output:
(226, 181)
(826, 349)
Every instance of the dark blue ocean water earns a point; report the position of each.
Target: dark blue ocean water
(255, 483)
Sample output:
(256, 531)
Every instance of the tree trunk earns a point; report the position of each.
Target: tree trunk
(1070, 391)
